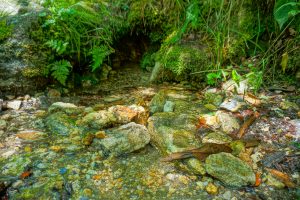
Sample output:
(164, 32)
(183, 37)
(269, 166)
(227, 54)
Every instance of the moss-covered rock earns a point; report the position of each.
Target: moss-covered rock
(229, 169)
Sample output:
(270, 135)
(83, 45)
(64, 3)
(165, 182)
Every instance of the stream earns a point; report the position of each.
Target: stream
(107, 141)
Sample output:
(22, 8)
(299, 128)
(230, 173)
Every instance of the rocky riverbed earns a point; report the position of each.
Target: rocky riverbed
(114, 145)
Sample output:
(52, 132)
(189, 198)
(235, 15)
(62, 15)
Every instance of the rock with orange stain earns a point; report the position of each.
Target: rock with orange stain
(100, 135)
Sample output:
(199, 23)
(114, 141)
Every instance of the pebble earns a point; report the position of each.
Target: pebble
(211, 189)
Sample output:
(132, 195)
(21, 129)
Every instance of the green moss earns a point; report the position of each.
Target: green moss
(5, 29)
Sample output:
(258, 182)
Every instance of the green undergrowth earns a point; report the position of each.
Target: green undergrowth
(188, 39)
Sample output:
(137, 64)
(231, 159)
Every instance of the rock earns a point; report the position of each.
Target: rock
(26, 97)
(98, 120)
(171, 132)
(125, 114)
(60, 123)
(100, 135)
(229, 169)
(211, 189)
(195, 166)
(88, 139)
(124, 139)
(67, 108)
(216, 138)
(231, 105)
(112, 99)
(286, 105)
(227, 195)
(296, 124)
(240, 88)
(15, 104)
(169, 106)
(53, 93)
(210, 107)
(157, 103)
(212, 98)
(228, 122)
(272, 181)
(31, 135)
(3, 124)
(105, 70)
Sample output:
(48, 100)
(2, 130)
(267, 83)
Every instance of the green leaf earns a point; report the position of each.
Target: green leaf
(99, 54)
(236, 77)
(60, 70)
(284, 10)
(212, 78)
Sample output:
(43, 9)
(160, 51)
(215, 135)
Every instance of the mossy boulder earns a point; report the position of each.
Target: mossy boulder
(229, 169)
(61, 124)
(124, 139)
(98, 120)
(67, 108)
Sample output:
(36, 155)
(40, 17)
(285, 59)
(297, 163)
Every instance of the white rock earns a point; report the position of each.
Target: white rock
(228, 122)
(15, 105)
(231, 85)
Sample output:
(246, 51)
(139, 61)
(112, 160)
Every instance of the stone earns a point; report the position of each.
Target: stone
(216, 138)
(211, 189)
(169, 106)
(15, 104)
(31, 135)
(231, 86)
(26, 97)
(171, 132)
(195, 166)
(286, 105)
(112, 99)
(124, 139)
(231, 105)
(228, 122)
(212, 98)
(67, 108)
(105, 70)
(60, 123)
(157, 103)
(3, 124)
(296, 124)
(230, 170)
(125, 114)
(98, 120)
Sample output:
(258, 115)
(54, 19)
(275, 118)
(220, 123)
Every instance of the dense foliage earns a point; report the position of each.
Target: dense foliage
(190, 39)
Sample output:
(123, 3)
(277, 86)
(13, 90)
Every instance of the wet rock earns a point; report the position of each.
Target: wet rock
(212, 98)
(216, 138)
(112, 99)
(231, 105)
(31, 135)
(228, 122)
(296, 123)
(98, 120)
(124, 139)
(126, 114)
(229, 169)
(3, 124)
(157, 103)
(67, 108)
(171, 132)
(240, 88)
(211, 189)
(169, 106)
(60, 123)
(195, 166)
(15, 104)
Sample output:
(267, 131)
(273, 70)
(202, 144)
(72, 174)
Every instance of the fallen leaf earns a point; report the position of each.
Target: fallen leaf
(25, 174)
(282, 177)
(258, 179)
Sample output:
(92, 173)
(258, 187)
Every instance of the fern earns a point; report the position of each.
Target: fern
(60, 70)
(98, 55)
(58, 45)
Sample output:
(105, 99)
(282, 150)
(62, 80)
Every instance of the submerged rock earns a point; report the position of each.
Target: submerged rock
(231, 105)
(171, 132)
(229, 169)
(67, 108)
(3, 124)
(60, 123)
(31, 135)
(169, 106)
(157, 103)
(216, 138)
(124, 139)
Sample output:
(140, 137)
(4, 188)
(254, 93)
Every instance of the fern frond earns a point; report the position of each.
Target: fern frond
(98, 55)
(60, 70)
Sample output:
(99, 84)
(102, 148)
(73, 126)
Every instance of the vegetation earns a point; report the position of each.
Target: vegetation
(192, 40)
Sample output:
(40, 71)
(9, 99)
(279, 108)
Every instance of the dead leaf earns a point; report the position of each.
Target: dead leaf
(284, 61)
(282, 177)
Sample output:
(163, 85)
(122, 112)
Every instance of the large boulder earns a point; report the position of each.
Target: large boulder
(124, 139)
(98, 120)
(229, 169)
(67, 108)
(171, 132)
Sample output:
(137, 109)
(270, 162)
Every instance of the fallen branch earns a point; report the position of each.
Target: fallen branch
(246, 125)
